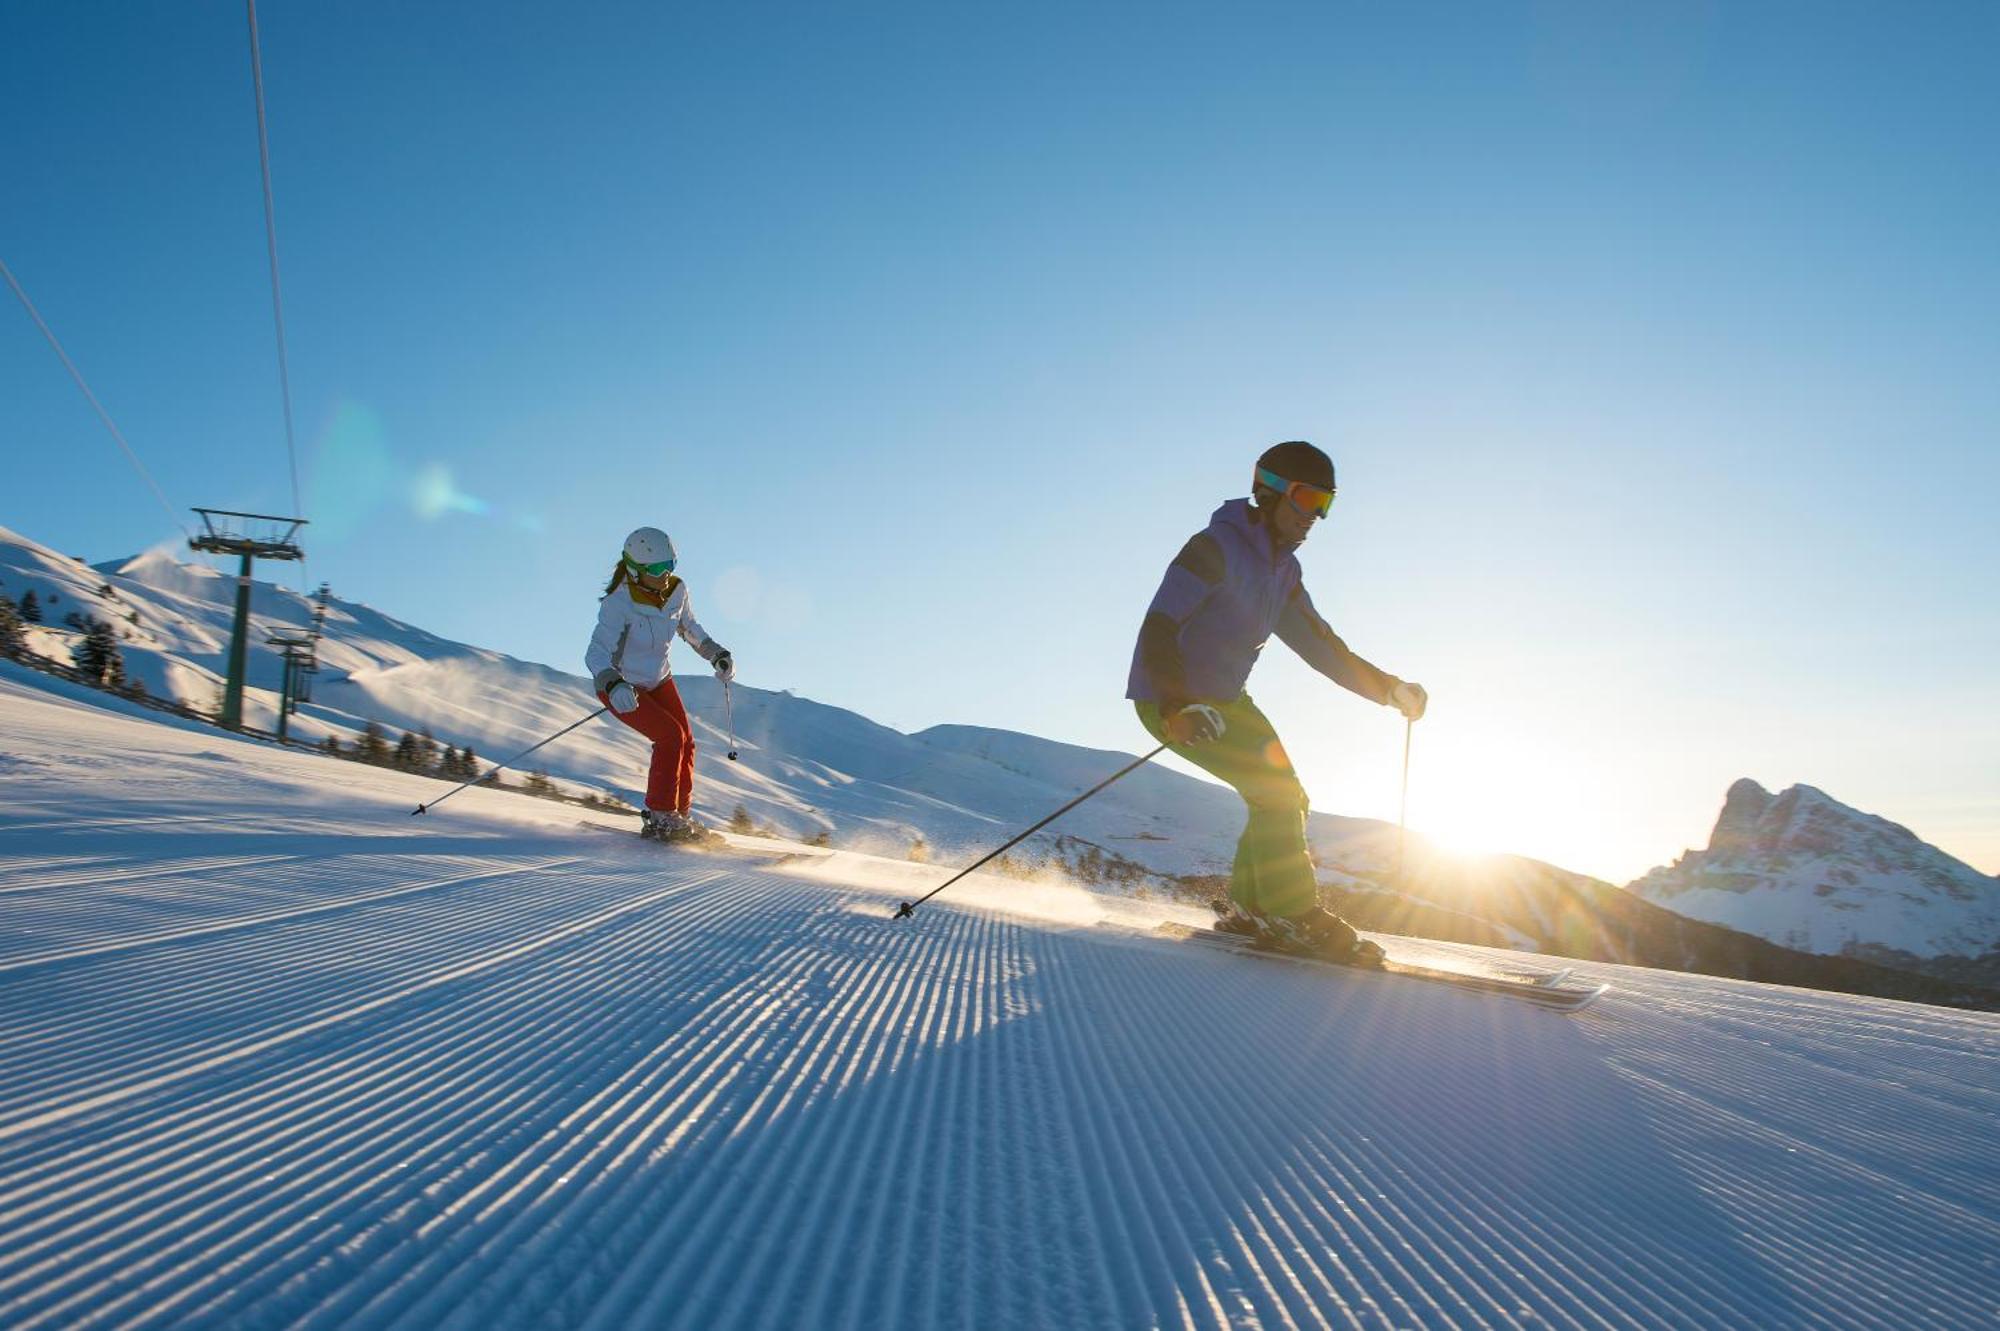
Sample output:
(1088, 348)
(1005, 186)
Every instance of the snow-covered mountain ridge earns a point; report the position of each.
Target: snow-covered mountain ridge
(1807, 871)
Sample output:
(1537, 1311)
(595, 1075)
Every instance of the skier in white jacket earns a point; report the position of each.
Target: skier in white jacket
(644, 606)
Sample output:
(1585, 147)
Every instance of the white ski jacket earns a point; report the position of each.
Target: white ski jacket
(633, 635)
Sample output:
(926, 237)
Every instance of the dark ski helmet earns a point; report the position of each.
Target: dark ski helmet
(1294, 462)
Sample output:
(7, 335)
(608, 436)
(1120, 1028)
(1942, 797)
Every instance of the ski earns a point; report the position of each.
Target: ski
(1548, 991)
(710, 843)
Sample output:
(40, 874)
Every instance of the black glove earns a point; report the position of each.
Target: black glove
(725, 666)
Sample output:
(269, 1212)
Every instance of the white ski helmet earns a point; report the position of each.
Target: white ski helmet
(647, 549)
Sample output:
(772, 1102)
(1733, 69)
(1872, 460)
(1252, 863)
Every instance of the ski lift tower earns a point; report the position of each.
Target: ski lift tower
(251, 536)
(297, 649)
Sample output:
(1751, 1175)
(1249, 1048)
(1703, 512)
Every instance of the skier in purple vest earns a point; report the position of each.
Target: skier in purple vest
(1229, 589)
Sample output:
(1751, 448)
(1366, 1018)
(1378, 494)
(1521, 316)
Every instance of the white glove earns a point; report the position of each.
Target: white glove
(1409, 699)
(624, 698)
(725, 666)
(1196, 723)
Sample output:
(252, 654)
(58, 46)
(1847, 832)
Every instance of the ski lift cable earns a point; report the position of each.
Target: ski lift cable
(91, 397)
(271, 247)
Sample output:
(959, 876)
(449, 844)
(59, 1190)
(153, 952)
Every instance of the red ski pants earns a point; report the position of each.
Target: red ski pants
(661, 719)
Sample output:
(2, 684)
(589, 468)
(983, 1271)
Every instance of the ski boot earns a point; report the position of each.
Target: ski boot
(658, 824)
(687, 828)
(1320, 933)
(1231, 918)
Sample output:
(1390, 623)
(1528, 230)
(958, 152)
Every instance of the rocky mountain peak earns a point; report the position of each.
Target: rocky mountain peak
(1803, 869)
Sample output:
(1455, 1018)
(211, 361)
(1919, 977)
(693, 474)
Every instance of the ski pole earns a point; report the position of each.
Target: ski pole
(729, 711)
(1403, 813)
(425, 808)
(909, 908)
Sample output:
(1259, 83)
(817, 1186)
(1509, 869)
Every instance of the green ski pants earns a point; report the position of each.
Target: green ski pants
(1273, 873)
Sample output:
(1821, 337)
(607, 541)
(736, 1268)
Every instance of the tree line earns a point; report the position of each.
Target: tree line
(418, 752)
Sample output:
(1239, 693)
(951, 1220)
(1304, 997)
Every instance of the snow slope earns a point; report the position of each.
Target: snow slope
(273, 1053)
(1806, 871)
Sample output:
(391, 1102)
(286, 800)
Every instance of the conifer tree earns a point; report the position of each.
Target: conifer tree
(373, 746)
(13, 639)
(31, 609)
(98, 657)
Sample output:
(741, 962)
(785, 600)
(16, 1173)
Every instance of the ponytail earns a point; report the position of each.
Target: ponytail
(617, 578)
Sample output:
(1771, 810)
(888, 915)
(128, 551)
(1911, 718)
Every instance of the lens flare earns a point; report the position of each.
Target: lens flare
(434, 494)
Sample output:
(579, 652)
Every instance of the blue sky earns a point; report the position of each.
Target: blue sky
(1655, 351)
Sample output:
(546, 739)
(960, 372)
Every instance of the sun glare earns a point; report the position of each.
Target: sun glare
(1489, 799)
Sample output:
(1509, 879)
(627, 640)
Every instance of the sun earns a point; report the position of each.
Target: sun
(1474, 798)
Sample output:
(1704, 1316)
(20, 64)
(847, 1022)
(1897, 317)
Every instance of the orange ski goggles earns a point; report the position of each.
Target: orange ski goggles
(1308, 499)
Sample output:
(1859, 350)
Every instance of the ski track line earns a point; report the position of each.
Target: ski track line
(1799, 1240)
(817, 1062)
(285, 968)
(123, 910)
(1228, 1281)
(1793, 1166)
(1121, 1173)
(1442, 1245)
(727, 1047)
(280, 942)
(1293, 1291)
(174, 819)
(385, 1270)
(247, 1049)
(274, 917)
(1132, 1249)
(889, 1049)
(527, 991)
(1281, 1291)
(527, 994)
(96, 877)
(886, 987)
(892, 1154)
(940, 1141)
(786, 1157)
(623, 1126)
(762, 1244)
(1481, 1239)
(287, 1012)
(1856, 1138)
(1282, 1225)
(616, 1119)
(103, 1151)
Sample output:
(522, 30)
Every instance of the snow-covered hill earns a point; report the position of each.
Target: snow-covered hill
(275, 1054)
(1806, 871)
